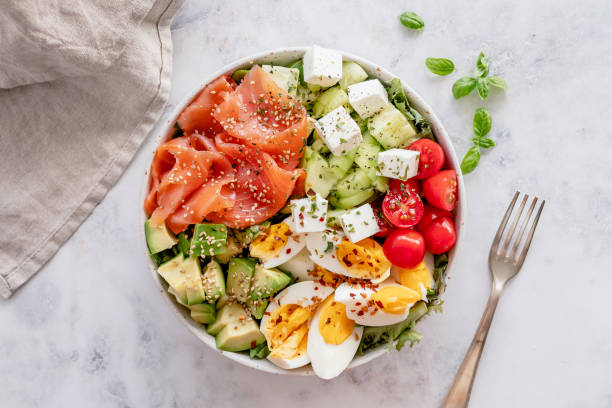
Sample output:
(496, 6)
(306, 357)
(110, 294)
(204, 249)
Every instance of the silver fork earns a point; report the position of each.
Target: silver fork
(504, 264)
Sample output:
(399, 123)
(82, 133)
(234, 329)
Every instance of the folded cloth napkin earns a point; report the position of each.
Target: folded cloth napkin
(83, 84)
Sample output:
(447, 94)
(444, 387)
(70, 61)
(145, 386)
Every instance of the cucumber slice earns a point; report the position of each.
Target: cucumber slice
(319, 177)
(341, 164)
(286, 78)
(367, 155)
(352, 201)
(305, 96)
(362, 123)
(351, 74)
(391, 128)
(355, 181)
(333, 218)
(330, 100)
(318, 145)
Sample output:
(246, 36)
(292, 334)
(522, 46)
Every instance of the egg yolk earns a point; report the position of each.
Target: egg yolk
(365, 259)
(326, 277)
(335, 327)
(412, 277)
(287, 331)
(395, 299)
(270, 244)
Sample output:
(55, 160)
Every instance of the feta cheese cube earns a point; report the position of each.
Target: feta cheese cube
(339, 131)
(368, 97)
(359, 223)
(309, 214)
(398, 163)
(286, 78)
(322, 66)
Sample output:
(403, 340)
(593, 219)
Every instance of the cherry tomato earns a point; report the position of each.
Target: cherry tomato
(440, 235)
(431, 157)
(413, 185)
(403, 209)
(404, 248)
(384, 225)
(431, 213)
(440, 190)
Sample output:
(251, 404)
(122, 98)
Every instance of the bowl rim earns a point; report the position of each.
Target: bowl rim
(287, 54)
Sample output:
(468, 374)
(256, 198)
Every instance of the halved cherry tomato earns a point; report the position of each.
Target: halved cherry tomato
(431, 157)
(384, 225)
(440, 190)
(404, 248)
(403, 209)
(431, 213)
(413, 185)
(440, 235)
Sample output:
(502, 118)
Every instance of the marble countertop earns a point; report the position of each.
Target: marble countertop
(92, 330)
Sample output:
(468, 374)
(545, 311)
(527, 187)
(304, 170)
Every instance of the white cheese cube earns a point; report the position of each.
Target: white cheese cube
(309, 214)
(286, 78)
(398, 163)
(322, 66)
(368, 97)
(339, 131)
(359, 223)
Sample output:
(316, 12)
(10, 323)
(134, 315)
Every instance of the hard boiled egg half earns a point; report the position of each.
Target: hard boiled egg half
(277, 245)
(286, 322)
(419, 278)
(377, 305)
(365, 259)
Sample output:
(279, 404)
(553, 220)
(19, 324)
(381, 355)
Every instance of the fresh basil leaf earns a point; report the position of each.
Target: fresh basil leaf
(412, 20)
(497, 82)
(483, 142)
(470, 160)
(464, 86)
(400, 101)
(482, 122)
(440, 66)
(483, 88)
(482, 66)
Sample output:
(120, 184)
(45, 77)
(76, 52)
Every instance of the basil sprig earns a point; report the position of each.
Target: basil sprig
(412, 20)
(481, 81)
(440, 66)
(482, 126)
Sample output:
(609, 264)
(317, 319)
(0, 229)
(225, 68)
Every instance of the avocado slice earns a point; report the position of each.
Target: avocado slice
(159, 238)
(233, 248)
(257, 307)
(209, 239)
(239, 274)
(240, 336)
(223, 300)
(172, 272)
(266, 282)
(204, 313)
(193, 278)
(214, 281)
(228, 314)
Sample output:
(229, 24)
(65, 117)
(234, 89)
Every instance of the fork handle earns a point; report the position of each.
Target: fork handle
(459, 393)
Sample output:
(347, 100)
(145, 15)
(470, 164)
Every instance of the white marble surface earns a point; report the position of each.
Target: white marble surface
(91, 330)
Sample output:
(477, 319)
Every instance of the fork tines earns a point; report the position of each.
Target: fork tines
(508, 252)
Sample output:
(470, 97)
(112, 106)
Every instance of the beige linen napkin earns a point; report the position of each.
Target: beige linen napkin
(88, 82)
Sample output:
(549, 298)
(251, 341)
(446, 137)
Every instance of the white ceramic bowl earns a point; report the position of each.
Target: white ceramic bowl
(283, 56)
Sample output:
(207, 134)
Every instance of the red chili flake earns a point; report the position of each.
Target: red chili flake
(363, 295)
(379, 304)
(288, 250)
(316, 288)
(358, 304)
(352, 295)
(360, 313)
(321, 219)
(253, 344)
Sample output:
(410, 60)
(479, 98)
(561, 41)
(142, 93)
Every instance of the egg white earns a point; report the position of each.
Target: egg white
(380, 318)
(317, 244)
(299, 266)
(329, 360)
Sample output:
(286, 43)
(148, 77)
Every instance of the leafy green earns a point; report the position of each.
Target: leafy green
(483, 88)
(247, 235)
(178, 132)
(482, 122)
(482, 66)
(470, 160)
(409, 335)
(497, 82)
(412, 20)
(260, 351)
(440, 66)
(239, 74)
(464, 86)
(165, 255)
(400, 101)
(483, 142)
(299, 64)
(184, 244)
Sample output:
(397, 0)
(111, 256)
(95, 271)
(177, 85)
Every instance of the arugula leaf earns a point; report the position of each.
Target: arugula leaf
(464, 86)
(497, 82)
(483, 88)
(482, 66)
(400, 101)
(440, 66)
(470, 160)
(482, 122)
(412, 20)
(483, 142)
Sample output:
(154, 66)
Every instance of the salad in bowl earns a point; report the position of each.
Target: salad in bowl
(301, 212)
